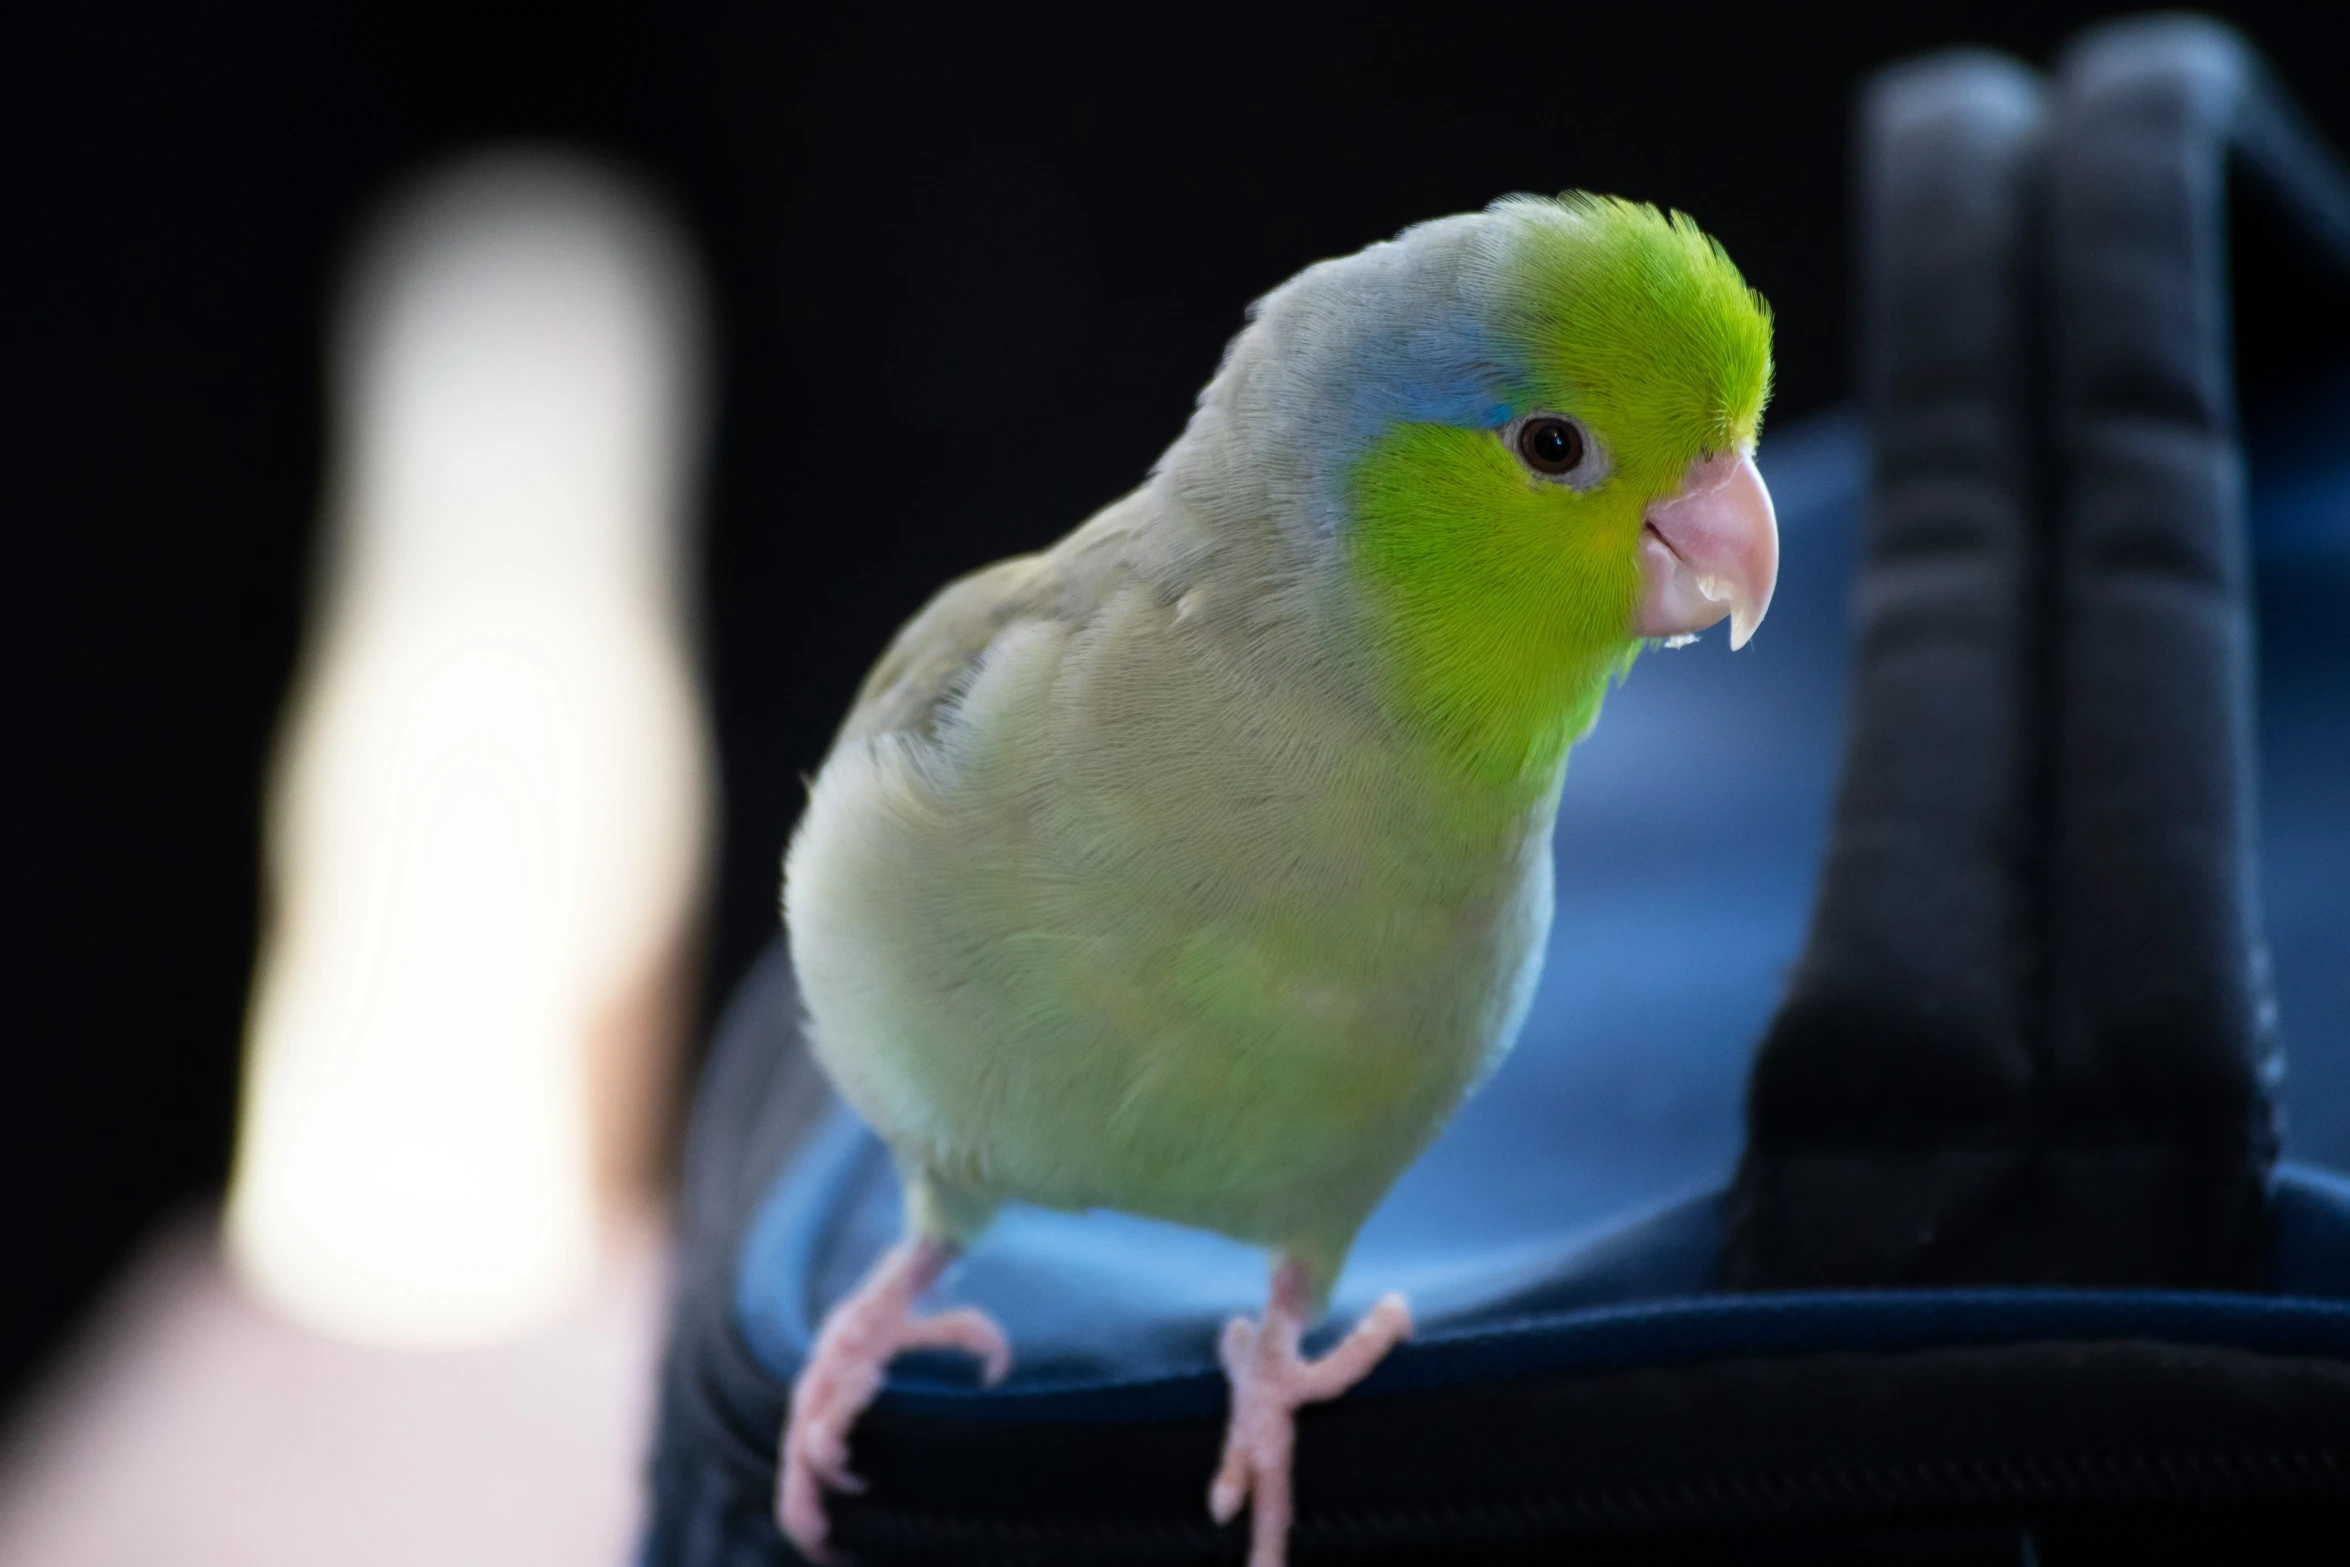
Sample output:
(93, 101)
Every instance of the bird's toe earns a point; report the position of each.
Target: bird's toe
(972, 1331)
(1229, 1492)
(799, 1511)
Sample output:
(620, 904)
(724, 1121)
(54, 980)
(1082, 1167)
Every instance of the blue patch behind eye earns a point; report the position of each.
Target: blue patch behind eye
(1445, 371)
(1469, 401)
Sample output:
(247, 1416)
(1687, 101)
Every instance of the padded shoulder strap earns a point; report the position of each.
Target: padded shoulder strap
(2030, 1039)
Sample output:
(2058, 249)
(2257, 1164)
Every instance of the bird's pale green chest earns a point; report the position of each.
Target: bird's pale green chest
(1168, 916)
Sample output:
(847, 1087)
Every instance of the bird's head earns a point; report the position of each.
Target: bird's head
(1527, 435)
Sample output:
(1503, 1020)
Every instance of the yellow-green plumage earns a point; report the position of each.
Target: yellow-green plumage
(1199, 866)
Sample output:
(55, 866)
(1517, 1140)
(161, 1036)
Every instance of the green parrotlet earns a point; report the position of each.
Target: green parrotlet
(1199, 866)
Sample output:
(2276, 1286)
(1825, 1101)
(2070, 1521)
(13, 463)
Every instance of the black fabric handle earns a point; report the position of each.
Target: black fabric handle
(2161, 1054)
(2030, 1039)
(1891, 1101)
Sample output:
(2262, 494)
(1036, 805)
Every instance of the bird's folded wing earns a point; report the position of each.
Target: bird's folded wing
(934, 653)
(933, 656)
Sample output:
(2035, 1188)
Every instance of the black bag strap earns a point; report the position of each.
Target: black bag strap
(1891, 1095)
(2030, 1039)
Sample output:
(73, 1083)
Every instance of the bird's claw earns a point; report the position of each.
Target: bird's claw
(860, 1337)
(970, 1330)
(1271, 1380)
(826, 1450)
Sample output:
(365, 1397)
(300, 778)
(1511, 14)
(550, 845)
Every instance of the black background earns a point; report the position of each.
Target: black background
(967, 277)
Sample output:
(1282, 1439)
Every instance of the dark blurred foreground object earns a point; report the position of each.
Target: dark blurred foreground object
(2009, 1272)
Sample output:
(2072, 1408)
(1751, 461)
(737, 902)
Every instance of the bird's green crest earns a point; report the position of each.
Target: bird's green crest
(1507, 600)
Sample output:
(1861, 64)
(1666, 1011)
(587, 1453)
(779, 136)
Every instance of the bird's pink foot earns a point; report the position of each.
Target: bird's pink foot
(1270, 1380)
(860, 1336)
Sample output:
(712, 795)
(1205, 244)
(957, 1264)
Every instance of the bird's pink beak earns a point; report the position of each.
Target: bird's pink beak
(1708, 550)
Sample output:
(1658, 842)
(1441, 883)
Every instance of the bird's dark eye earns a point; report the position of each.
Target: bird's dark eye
(1552, 446)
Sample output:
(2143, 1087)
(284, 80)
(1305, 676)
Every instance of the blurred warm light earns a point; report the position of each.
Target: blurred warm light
(487, 822)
